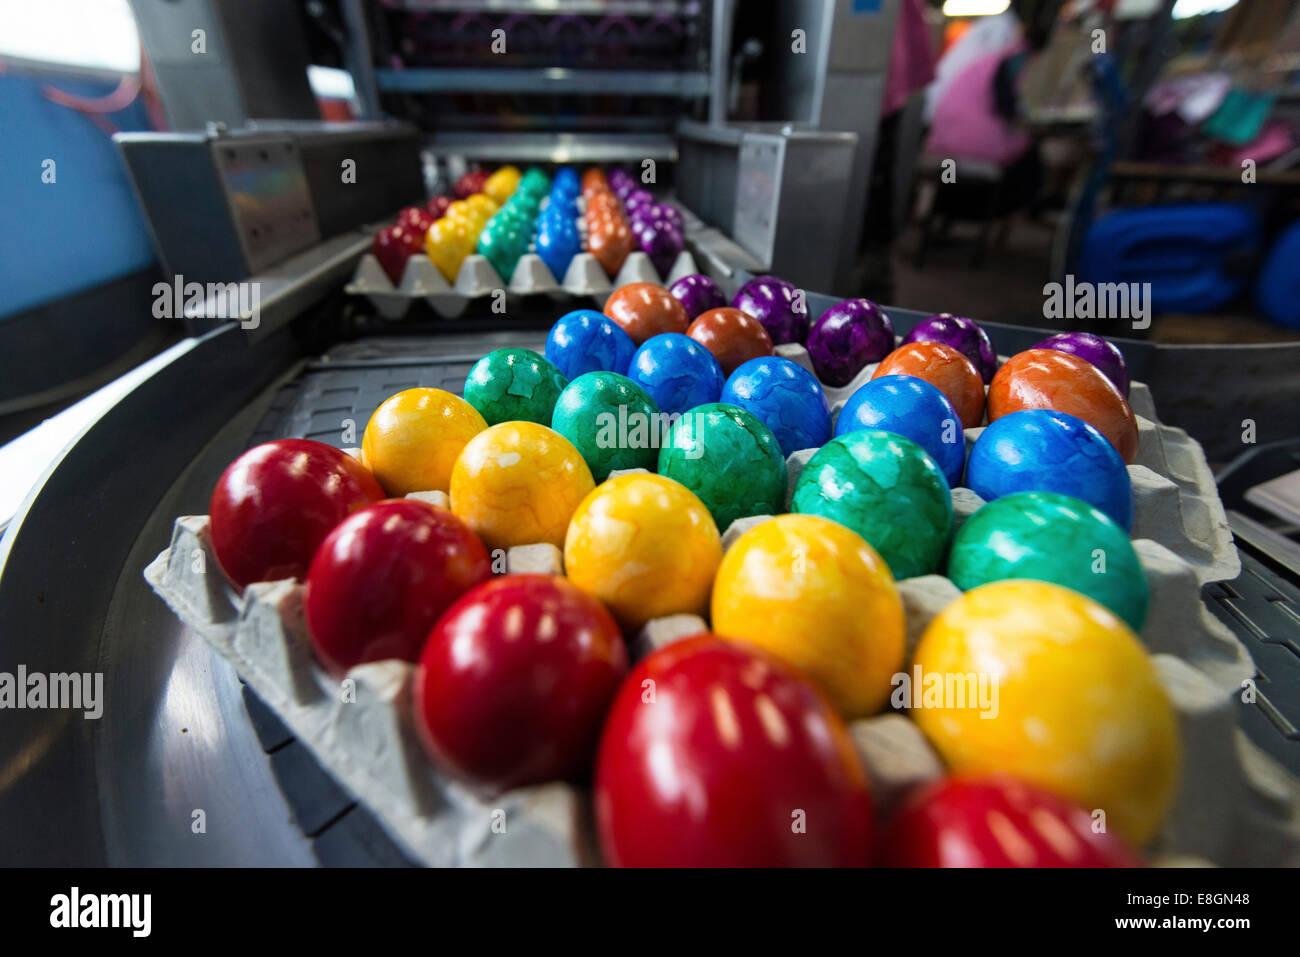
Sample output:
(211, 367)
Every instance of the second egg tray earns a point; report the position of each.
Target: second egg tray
(421, 282)
(584, 279)
(1236, 806)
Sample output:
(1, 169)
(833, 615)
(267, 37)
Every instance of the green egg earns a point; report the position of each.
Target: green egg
(887, 489)
(729, 459)
(611, 421)
(1047, 536)
(509, 385)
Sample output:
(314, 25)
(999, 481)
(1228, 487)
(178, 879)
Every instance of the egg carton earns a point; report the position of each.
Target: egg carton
(585, 278)
(1235, 805)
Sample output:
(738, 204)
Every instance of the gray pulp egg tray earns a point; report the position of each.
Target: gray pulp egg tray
(477, 279)
(1235, 805)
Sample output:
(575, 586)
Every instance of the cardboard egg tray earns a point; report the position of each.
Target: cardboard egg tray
(584, 279)
(1235, 805)
(476, 279)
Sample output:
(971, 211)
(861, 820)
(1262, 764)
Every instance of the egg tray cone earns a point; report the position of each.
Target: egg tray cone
(1234, 807)
(477, 279)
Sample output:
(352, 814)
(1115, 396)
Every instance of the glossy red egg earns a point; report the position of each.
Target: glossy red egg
(717, 755)
(996, 822)
(382, 577)
(393, 247)
(437, 207)
(515, 681)
(469, 184)
(275, 504)
(416, 219)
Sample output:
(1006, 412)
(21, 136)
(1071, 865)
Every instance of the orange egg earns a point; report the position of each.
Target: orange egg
(593, 180)
(643, 310)
(610, 242)
(944, 368)
(605, 202)
(1047, 379)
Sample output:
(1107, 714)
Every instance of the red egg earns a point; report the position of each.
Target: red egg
(717, 755)
(515, 680)
(469, 184)
(393, 246)
(415, 219)
(1047, 379)
(734, 337)
(996, 822)
(437, 207)
(944, 368)
(275, 504)
(382, 577)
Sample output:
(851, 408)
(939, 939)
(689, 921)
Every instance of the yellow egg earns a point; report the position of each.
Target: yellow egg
(483, 205)
(448, 243)
(414, 438)
(645, 546)
(1078, 707)
(518, 483)
(816, 595)
(501, 184)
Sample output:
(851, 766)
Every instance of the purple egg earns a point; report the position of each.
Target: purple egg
(647, 214)
(778, 305)
(1101, 353)
(962, 334)
(672, 214)
(636, 198)
(645, 232)
(697, 294)
(848, 336)
(662, 244)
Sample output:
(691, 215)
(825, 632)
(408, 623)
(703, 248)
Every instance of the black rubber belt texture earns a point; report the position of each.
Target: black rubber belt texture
(1263, 610)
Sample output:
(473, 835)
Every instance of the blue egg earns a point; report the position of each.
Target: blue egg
(588, 341)
(677, 371)
(1039, 450)
(566, 177)
(914, 409)
(786, 397)
(556, 247)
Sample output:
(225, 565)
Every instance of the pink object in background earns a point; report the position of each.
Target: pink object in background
(966, 123)
(911, 58)
(1273, 141)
